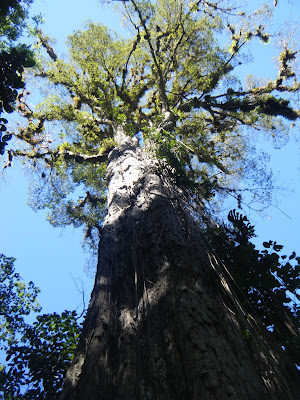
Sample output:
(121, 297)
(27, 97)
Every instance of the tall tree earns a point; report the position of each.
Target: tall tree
(155, 123)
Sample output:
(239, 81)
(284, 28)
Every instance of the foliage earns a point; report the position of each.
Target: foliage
(13, 58)
(13, 61)
(17, 300)
(266, 281)
(37, 365)
(171, 83)
(13, 14)
(38, 354)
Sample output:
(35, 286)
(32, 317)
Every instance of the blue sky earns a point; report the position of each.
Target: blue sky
(53, 257)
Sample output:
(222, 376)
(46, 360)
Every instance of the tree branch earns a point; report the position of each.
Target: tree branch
(162, 85)
(66, 154)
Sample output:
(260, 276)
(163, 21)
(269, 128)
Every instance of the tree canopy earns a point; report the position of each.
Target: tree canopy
(172, 85)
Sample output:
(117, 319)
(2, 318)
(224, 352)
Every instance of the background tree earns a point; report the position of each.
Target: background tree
(267, 282)
(38, 363)
(163, 115)
(13, 58)
(37, 354)
(17, 301)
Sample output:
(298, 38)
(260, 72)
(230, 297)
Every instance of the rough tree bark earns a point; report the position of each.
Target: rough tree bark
(162, 322)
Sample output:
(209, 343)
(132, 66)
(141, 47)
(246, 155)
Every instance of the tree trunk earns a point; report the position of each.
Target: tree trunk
(162, 323)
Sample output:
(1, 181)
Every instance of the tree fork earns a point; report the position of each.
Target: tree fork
(162, 322)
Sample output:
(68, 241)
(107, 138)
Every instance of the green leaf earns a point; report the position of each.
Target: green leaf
(277, 247)
(6, 137)
(292, 256)
(267, 245)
